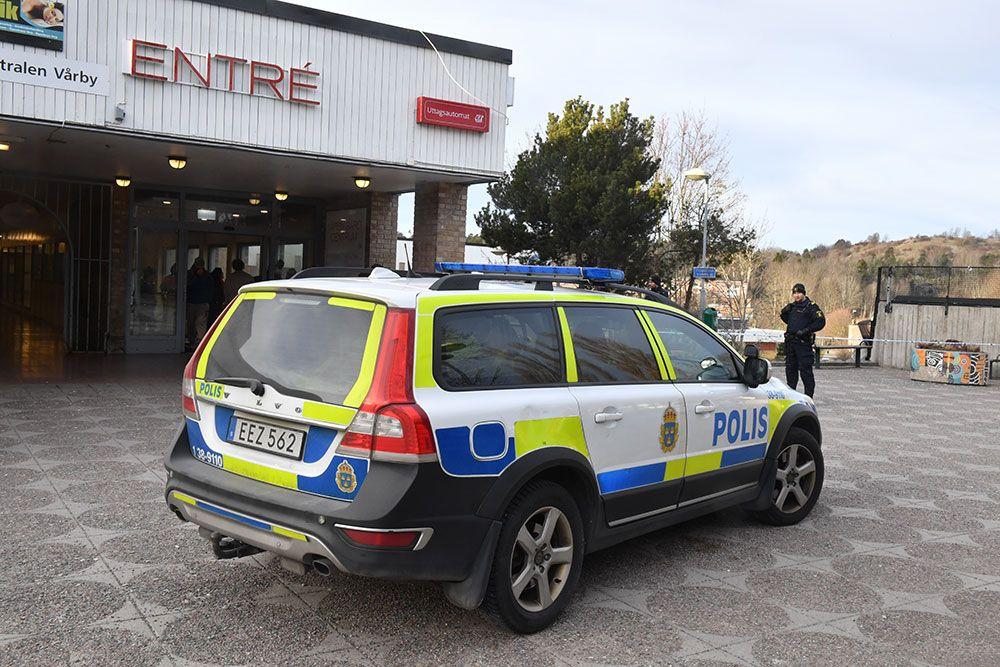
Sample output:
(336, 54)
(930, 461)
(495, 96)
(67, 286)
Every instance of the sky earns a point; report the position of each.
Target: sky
(843, 118)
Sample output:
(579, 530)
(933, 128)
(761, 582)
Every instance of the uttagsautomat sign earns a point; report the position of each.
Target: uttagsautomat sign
(219, 71)
(456, 115)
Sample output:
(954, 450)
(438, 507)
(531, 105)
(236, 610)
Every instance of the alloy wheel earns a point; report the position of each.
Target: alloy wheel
(795, 479)
(542, 558)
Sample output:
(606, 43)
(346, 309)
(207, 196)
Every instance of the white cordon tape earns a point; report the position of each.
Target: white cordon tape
(902, 340)
(779, 338)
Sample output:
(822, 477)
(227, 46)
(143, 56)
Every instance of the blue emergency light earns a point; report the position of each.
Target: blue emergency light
(586, 272)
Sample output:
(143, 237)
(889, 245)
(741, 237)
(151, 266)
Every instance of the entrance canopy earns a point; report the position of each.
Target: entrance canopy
(89, 154)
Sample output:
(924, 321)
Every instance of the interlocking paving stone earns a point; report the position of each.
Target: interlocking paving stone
(897, 565)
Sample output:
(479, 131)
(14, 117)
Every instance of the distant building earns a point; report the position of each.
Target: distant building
(474, 254)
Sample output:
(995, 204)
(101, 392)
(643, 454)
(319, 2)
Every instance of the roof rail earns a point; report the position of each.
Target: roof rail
(471, 281)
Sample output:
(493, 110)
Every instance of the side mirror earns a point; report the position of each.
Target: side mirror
(756, 371)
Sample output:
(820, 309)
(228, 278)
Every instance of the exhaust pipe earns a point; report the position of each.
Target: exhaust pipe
(322, 566)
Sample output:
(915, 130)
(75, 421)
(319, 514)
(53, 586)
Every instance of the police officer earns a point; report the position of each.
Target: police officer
(804, 319)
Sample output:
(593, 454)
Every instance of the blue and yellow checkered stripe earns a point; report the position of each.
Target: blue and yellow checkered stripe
(242, 518)
(325, 484)
(664, 471)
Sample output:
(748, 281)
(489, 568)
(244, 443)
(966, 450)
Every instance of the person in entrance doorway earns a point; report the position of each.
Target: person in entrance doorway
(237, 279)
(218, 294)
(804, 318)
(199, 298)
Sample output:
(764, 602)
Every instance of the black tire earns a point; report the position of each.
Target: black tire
(534, 502)
(803, 446)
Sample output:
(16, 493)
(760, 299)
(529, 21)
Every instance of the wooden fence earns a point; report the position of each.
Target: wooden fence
(913, 322)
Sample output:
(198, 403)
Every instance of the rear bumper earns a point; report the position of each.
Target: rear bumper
(300, 526)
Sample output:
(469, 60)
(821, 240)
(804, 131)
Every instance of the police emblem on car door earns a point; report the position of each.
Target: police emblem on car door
(669, 429)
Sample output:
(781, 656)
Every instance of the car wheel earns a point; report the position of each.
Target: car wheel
(538, 558)
(798, 479)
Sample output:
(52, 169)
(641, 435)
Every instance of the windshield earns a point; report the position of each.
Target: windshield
(299, 344)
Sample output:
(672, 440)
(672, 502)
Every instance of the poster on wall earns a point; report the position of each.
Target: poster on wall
(33, 23)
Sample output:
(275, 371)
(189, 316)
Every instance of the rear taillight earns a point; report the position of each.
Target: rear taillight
(383, 539)
(188, 402)
(389, 424)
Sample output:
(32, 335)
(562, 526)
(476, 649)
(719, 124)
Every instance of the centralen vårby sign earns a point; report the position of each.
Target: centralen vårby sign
(43, 70)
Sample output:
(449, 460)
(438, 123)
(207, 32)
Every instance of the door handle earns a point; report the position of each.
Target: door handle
(704, 408)
(604, 417)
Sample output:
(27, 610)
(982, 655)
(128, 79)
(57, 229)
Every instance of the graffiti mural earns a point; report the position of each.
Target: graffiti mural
(949, 366)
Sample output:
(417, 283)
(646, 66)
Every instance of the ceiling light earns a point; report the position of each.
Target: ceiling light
(281, 196)
(166, 202)
(263, 210)
(254, 201)
(362, 182)
(177, 161)
(236, 215)
(4, 147)
(123, 181)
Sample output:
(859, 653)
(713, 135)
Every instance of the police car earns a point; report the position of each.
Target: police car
(485, 428)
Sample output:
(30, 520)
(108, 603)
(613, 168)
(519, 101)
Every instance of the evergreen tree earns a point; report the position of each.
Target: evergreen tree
(583, 193)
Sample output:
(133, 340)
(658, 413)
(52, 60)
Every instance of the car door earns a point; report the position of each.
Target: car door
(633, 417)
(498, 389)
(727, 422)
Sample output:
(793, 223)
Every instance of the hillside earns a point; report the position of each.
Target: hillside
(841, 277)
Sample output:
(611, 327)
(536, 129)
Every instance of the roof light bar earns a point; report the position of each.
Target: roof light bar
(587, 272)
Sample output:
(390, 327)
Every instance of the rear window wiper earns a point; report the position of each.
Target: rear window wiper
(255, 386)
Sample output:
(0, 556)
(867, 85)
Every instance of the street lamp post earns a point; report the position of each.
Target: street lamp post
(699, 174)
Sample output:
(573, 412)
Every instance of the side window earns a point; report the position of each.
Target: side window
(610, 345)
(498, 347)
(696, 355)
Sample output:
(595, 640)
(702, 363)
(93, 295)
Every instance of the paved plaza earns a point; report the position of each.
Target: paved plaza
(898, 564)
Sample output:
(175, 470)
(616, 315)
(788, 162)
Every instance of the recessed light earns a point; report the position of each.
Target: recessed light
(167, 202)
(263, 210)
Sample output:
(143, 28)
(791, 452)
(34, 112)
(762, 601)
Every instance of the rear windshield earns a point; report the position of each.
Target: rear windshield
(298, 344)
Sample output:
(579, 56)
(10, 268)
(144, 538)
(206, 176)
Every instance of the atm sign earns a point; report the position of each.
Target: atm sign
(455, 115)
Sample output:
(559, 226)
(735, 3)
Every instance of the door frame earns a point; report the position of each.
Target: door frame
(137, 343)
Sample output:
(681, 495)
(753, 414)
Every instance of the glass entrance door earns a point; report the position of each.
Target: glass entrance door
(155, 283)
(218, 264)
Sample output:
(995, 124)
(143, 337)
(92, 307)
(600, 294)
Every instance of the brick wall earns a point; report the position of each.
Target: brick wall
(439, 212)
(383, 217)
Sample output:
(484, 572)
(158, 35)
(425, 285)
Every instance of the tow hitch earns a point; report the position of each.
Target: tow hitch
(224, 546)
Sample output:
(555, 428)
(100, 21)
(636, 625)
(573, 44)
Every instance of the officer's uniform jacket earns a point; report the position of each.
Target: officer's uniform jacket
(804, 319)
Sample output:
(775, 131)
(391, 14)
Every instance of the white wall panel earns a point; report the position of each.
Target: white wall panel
(368, 87)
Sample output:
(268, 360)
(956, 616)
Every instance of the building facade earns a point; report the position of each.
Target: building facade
(138, 139)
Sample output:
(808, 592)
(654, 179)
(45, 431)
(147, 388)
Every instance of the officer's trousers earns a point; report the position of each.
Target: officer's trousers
(799, 361)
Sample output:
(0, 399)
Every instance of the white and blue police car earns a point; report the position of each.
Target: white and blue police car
(485, 427)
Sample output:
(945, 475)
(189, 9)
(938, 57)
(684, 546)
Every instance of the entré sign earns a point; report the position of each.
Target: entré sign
(431, 111)
(219, 71)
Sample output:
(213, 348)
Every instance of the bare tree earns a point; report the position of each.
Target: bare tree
(745, 284)
(681, 143)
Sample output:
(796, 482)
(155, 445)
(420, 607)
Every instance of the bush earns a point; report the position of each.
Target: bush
(948, 345)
